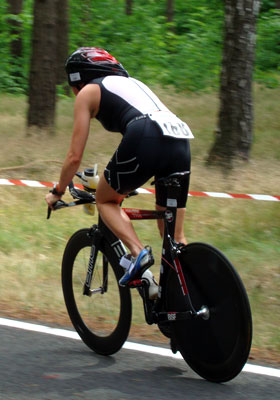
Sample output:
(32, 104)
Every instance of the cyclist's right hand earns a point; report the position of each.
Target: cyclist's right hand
(51, 199)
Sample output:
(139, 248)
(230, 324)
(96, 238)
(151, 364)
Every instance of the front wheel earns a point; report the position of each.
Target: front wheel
(103, 319)
(218, 347)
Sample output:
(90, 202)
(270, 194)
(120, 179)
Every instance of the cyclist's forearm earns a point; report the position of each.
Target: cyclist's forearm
(69, 168)
(75, 154)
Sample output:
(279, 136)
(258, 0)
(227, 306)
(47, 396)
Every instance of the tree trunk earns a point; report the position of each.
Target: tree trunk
(15, 8)
(62, 40)
(128, 7)
(170, 10)
(235, 121)
(42, 78)
(277, 4)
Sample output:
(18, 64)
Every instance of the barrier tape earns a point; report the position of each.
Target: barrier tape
(42, 184)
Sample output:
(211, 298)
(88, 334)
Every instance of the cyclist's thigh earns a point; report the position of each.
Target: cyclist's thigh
(137, 158)
(176, 158)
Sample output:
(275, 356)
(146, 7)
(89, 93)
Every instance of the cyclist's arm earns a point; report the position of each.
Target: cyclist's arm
(86, 107)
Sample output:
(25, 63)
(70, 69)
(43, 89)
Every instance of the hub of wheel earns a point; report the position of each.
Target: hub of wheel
(204, 313)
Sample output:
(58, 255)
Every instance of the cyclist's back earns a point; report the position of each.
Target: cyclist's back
(123, 99)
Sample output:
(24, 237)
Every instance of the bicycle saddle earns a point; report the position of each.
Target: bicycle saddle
(172, 178)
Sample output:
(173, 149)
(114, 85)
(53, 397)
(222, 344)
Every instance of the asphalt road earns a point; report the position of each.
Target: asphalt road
(39, 366)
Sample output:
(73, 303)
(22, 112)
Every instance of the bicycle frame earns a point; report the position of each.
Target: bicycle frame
(154, 311)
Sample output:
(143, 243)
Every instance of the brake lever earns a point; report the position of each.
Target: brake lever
(49, 212)
(56, 206)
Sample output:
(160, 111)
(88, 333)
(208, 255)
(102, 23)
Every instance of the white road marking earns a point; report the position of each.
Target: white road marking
(255, 369)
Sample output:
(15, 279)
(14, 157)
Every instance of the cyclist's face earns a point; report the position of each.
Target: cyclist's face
(77, 88)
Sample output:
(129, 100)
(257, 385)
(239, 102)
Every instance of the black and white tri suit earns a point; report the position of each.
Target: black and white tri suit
(144, 151)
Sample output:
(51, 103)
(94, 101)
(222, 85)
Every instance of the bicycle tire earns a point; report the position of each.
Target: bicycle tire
(217, 348)
(102, 320)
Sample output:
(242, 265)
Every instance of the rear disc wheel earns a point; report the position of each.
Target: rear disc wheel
(218, 347)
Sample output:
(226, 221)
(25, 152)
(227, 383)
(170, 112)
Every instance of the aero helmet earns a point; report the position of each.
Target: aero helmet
(89, 63)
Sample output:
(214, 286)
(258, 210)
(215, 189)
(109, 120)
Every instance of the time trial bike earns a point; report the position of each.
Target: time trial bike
(202, 305)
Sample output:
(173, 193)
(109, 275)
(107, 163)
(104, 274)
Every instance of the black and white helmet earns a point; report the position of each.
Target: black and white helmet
(88, 63)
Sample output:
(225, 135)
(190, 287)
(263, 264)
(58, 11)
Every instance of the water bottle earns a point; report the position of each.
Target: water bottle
(90, 179)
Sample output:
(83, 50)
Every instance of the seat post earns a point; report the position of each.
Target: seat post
(172, 183)
(173, 188)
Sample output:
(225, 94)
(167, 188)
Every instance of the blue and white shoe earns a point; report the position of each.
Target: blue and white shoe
(136, 267)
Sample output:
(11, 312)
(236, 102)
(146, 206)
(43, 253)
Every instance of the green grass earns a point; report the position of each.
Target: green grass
(247, 231)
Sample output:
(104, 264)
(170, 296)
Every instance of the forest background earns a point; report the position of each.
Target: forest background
(181, 61)
(185, 53)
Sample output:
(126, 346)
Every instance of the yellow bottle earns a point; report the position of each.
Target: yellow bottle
(90, 180)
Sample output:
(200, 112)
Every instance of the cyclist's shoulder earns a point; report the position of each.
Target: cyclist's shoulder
(120, 81)
(116, 79)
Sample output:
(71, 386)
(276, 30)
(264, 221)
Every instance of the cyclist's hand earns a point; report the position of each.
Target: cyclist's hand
(51, 199)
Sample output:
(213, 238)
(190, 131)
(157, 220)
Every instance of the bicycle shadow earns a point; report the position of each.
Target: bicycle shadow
(52, 368)
(133, 375)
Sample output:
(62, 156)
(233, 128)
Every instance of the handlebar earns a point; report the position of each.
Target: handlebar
(80, 197)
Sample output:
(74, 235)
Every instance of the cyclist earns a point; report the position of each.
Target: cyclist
(155, 143)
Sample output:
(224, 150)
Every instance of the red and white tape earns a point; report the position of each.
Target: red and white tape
(42, 184)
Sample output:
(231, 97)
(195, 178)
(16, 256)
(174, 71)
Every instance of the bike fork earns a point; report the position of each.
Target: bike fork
(92, 260)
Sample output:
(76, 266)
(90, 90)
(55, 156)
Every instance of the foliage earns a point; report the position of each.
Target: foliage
(185, 53)
(268, 47)
(14, 72)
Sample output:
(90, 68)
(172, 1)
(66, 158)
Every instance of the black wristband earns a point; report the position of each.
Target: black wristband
(56, 191)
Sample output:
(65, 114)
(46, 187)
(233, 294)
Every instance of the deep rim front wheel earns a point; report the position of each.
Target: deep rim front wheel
(103, 319)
